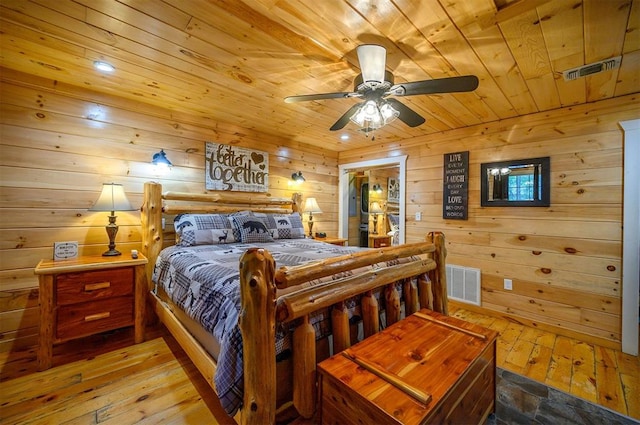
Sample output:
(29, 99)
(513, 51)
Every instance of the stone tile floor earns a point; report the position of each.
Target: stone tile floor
(520, 400)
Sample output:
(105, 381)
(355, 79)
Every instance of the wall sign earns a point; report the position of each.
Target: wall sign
(234, 168)
(455, 191)
(65, 250)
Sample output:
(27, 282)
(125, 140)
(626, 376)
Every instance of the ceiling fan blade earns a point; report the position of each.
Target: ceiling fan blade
(344, 119)
(319, 96)
(407, 115)
(440, 85)
(372, 60)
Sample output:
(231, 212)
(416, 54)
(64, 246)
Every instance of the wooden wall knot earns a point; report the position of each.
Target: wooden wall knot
(545, 270)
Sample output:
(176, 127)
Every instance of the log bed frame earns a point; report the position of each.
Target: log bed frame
(261, 308)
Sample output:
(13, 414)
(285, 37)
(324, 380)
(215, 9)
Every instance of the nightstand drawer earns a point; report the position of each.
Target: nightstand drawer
(73, 288)
(78, 320)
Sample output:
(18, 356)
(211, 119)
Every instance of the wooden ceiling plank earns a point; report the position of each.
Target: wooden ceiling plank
(605, 28)
(525, 39)
(632, 35)
(562, 24)
(164, 12)
(492, 50)
(524, 36)
(605, 24)
(518, 8)
(628, 75)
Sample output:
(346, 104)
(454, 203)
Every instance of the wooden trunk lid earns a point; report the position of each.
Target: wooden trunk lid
(409, 371)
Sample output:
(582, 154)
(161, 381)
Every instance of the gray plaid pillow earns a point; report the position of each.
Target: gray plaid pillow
(283, 226)
(252, 229)
(204, 229)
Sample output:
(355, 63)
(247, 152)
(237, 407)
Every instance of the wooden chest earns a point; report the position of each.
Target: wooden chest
(425, 369)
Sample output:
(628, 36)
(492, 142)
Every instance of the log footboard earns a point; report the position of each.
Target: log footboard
(422, 280)
(262, 310)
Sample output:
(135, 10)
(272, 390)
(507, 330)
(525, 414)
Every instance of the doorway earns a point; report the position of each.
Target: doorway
(346, 192)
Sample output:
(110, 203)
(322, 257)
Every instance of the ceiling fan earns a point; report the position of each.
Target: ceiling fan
(375, 85)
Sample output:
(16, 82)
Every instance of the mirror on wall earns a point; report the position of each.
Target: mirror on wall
(516, 183)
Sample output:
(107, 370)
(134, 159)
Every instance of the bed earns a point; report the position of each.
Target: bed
(272, 311)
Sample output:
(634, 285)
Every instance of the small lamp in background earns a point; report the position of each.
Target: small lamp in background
(375, 209)
(161, 162)
(311, 206)
(377, 188)
(112, 198)
(298, 177)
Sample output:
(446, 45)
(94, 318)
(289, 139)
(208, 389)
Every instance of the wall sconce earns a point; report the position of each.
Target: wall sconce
(377, 188)
(375, 209)
(112, 198)
(311, 206)
(160, 160)
(298, 177)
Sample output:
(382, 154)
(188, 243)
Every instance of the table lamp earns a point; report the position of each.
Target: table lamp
(311, 206)
(112, 198)
(375, 209)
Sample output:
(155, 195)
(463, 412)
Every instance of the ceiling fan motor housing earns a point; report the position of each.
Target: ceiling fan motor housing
(360, 85)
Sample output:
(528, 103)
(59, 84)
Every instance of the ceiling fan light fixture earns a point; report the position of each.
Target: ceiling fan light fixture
(373, 115)
(372, 58)
(388, 112)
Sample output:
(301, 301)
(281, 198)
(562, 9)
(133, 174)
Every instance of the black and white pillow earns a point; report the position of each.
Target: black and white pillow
(283, 226)
(252, 229)
(204, 229)
(394, 221)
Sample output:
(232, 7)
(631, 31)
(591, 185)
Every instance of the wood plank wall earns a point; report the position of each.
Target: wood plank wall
(59, 144)
(564, 260)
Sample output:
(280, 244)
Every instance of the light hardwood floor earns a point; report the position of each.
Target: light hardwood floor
(106, 380)
(600, 375)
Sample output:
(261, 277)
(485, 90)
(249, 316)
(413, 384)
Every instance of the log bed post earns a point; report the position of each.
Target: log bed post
(258, 327)
(340, 327)
(304, 368)
(439, 275)
(151, 222)
(370, 314)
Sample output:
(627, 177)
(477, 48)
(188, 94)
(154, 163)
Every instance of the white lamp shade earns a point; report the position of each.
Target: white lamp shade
(311, 206)
(372, 60)
(112, 198)
(375, 208)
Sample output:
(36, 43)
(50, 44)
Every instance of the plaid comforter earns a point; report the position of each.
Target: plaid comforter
(204, 281)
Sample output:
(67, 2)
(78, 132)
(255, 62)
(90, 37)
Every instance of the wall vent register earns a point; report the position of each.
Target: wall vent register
(463, 284)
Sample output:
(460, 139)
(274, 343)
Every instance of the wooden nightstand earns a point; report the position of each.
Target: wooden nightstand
(334, 241)
(89, 295)
(379, 241)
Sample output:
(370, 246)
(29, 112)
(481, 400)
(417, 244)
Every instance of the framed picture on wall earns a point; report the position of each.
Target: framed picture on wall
(393, 190)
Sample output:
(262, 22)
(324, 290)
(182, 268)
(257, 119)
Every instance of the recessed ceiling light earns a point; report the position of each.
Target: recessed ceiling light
(344, 137)
(103, 66)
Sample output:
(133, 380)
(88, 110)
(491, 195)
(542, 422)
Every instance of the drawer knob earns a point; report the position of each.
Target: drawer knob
(98, 316)
(95, 286)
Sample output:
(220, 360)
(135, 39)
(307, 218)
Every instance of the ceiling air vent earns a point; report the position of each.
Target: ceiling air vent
(592, 68)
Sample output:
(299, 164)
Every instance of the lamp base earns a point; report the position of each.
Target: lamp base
(111, 253)
(310, 228)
